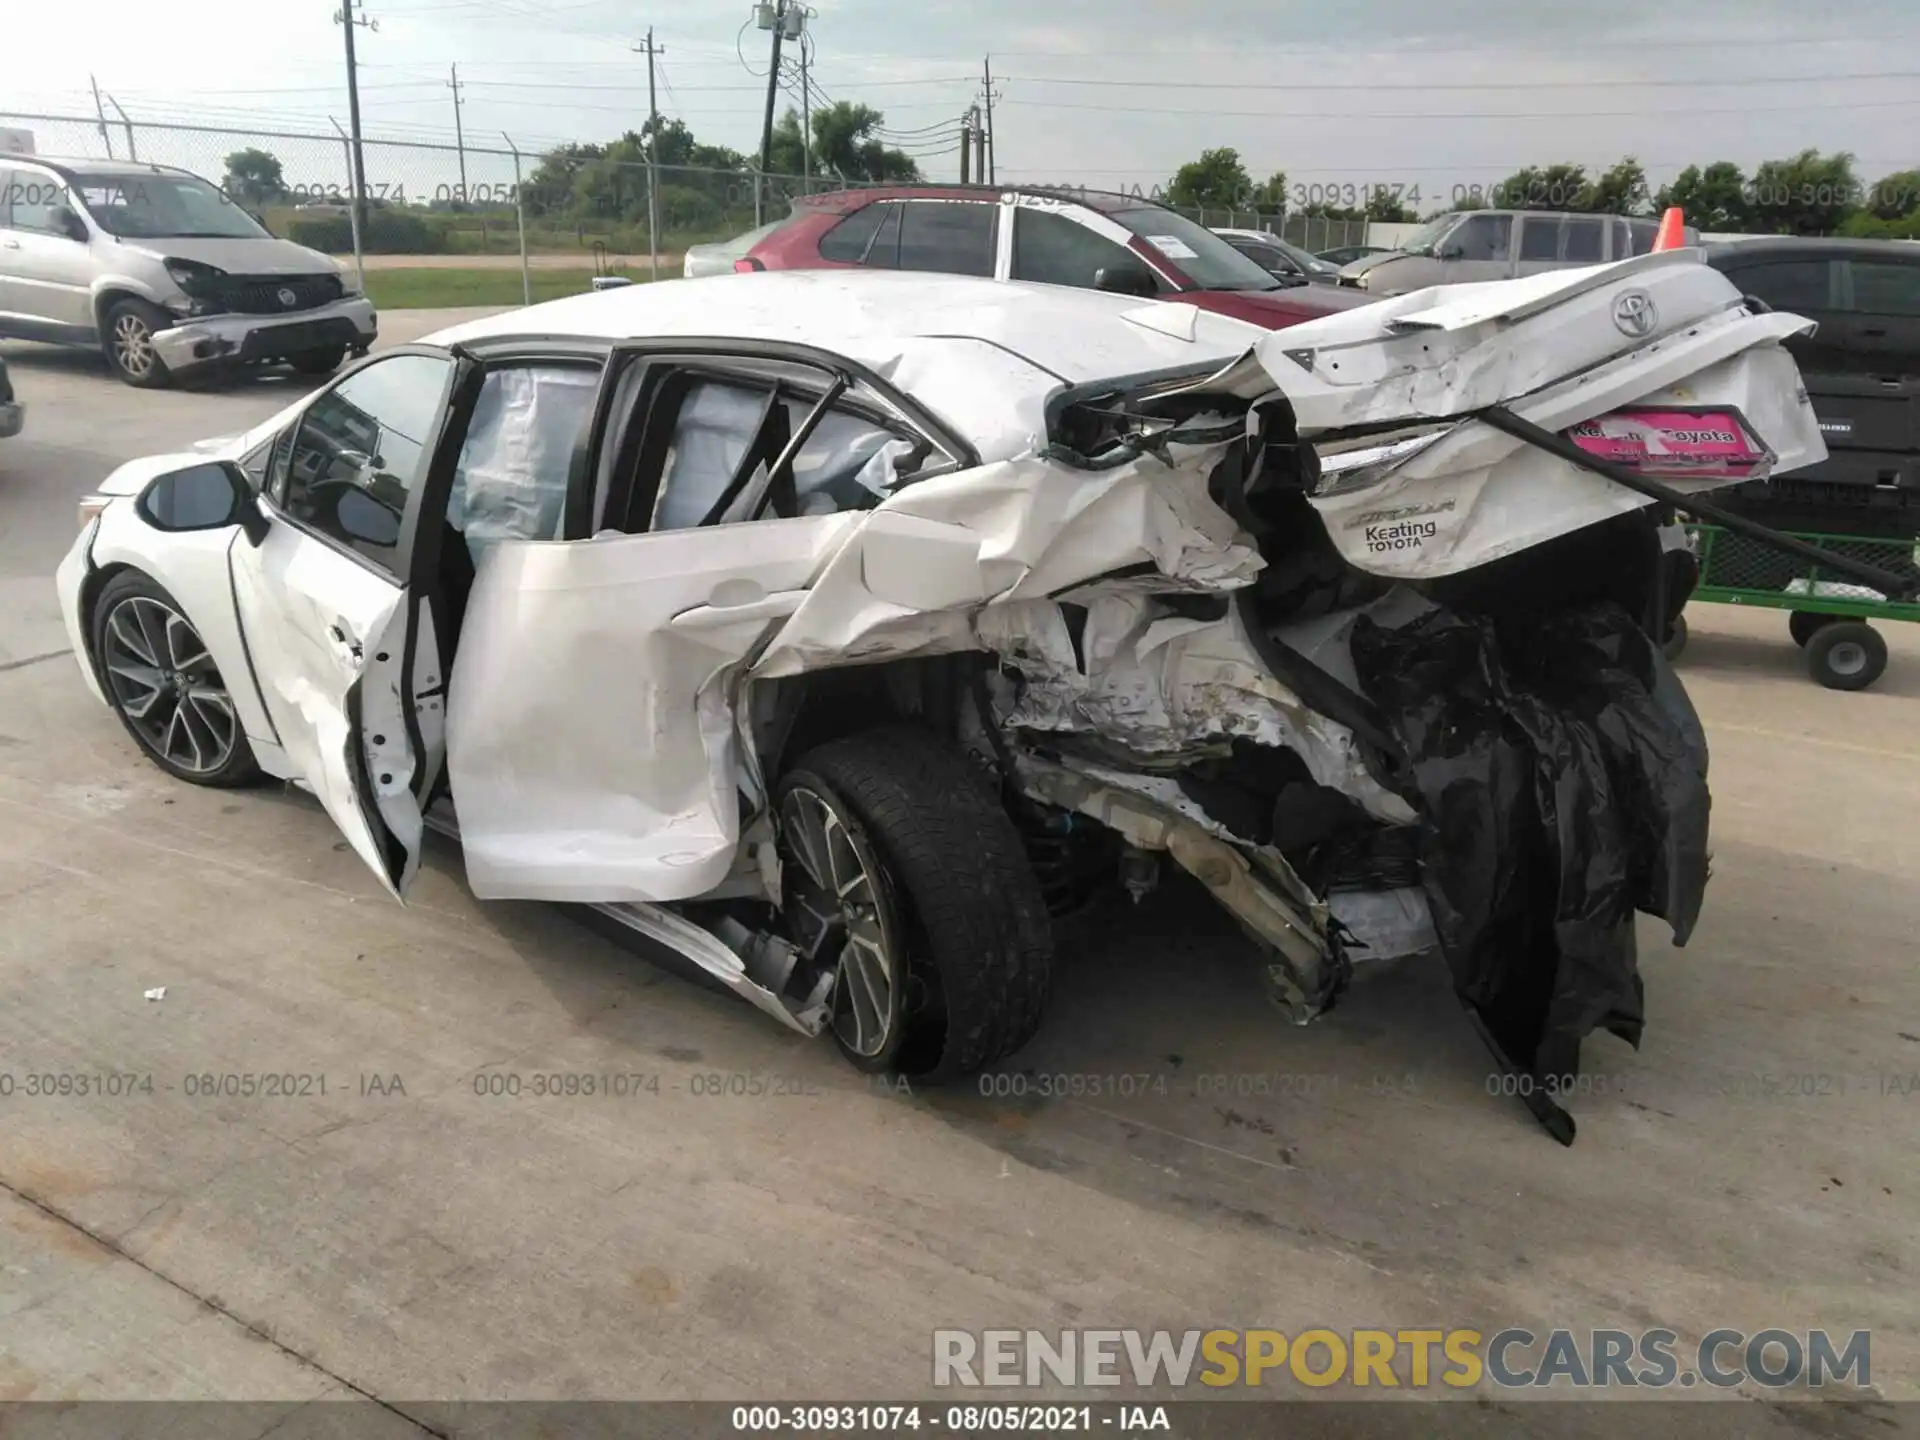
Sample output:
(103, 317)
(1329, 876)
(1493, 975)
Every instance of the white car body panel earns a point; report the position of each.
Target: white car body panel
(316, 619)
(596, 736)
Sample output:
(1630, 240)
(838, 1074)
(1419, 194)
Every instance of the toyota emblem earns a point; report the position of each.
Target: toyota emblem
(1634, 315)
(288, 299)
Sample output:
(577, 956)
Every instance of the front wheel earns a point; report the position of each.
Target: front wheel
(903, 874)
(131, 326)
(163, 684)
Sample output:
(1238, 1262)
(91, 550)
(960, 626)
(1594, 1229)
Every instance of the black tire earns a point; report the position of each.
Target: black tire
(128, 600)
(318, 362)
(1803, 625)
(128, 342)
(979, 947)
(1676, 638)
(1847, 655)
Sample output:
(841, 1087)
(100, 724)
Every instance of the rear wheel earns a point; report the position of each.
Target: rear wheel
(1803, 625)
(902, 872)
(1847, 655)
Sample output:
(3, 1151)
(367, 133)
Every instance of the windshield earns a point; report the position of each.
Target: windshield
(1306, 260)
(152, 205)
(1422, 241)
(1199, 254)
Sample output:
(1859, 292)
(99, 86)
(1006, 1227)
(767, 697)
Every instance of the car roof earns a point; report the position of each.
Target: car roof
(84, 166)
(1804, 244)
(855, 197)
(953, 342)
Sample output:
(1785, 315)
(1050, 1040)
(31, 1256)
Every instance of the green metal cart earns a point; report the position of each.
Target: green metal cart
(1828, 609)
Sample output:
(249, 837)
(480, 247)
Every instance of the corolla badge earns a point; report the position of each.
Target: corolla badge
(289, 299)
(1634, 315)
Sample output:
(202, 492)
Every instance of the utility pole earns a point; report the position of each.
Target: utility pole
(106, 138)
(653, 154)
(459, 135)
(346, 20)
(966, 145)
(772, 17)
(988, 170)
(806, 115)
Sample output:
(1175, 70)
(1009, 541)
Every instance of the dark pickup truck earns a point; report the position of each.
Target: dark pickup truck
(1862, 372)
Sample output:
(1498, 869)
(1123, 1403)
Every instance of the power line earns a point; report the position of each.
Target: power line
(1770, 106)
(1374, 86)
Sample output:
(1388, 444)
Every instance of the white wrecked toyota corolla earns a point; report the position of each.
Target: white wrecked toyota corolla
(832, 629)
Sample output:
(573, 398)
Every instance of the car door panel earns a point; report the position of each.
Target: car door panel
(590, 739)
(45, 275)
(313, 616)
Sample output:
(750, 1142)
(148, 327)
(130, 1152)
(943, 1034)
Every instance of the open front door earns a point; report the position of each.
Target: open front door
(328, 617)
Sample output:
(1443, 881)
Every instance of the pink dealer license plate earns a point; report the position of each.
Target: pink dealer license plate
(1704, 444)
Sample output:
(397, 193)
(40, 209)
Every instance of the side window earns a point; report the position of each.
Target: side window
(1622, 240)
(1886, 287)
(949, 237)
(1585, 240)
(847, 463)
(1055, 250)
(884, 251)
(359, 451)
(1644, 233)
(1266, 257)
(1540, 237)
(1791, 285)
(510, 482)
(848, 241)
(1484, 237)
(35, 196)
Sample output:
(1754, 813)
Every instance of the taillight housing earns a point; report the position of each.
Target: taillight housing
(746, 265)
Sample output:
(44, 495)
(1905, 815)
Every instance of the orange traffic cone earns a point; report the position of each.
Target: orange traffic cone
(1673, 230)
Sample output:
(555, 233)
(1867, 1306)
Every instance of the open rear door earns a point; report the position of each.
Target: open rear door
(590, 731)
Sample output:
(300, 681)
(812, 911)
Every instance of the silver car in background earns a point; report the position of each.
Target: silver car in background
(164, 273)
(716, 257)
(1470, 245)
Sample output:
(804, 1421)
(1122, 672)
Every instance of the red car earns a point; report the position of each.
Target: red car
(1088, 239)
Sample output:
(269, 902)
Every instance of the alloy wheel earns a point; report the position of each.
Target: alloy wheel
(166, 684)
(842, 914)
(133, 346)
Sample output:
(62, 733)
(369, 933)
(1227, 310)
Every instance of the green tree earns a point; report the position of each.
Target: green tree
(1895, 196)
(1715, 198)
(846, 142)
(1540, 187)
(1805, 194)
(1621, 190)
(253, 177)
(1218, 177)
(1389, 207)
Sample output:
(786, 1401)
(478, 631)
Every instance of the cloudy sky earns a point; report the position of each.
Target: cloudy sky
(1409, 93)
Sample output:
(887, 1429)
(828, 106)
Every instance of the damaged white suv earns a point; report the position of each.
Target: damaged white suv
(833, 628)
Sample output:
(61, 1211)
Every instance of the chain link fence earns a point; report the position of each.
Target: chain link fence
(425, 198)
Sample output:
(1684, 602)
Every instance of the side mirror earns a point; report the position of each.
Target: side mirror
(1452, 252)
(70, 223)
(1126, 280)
(363, 518)
(211, 496)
